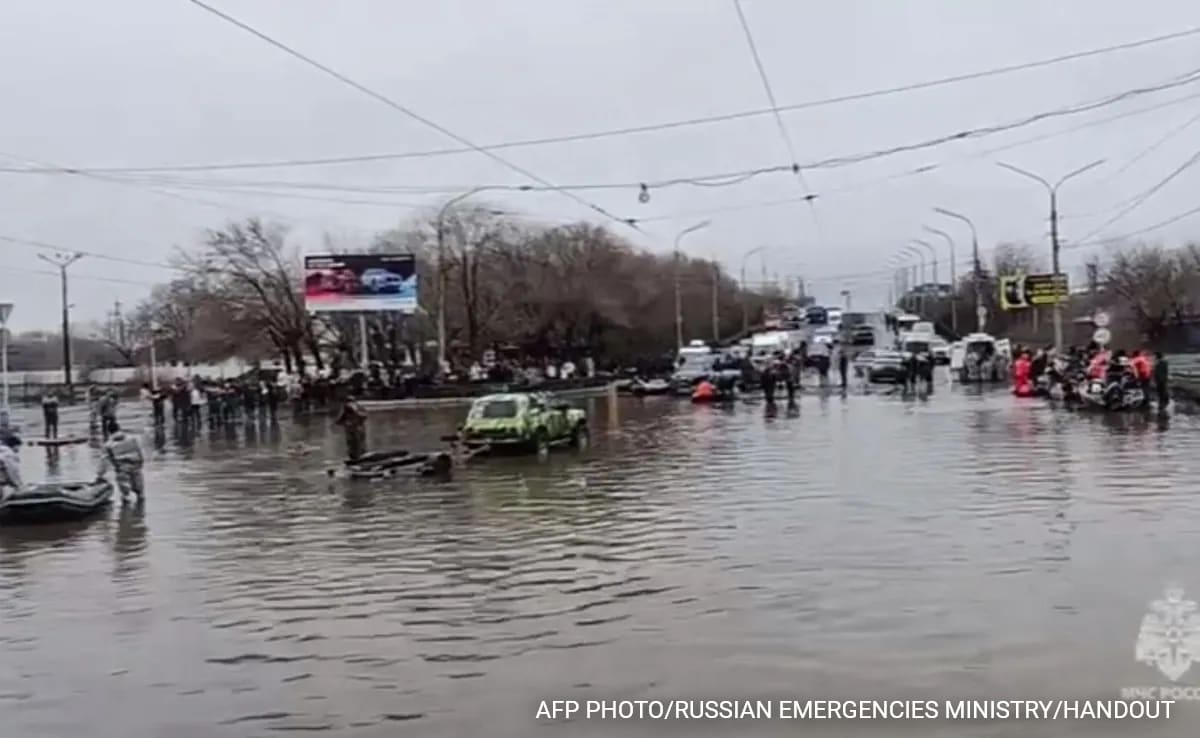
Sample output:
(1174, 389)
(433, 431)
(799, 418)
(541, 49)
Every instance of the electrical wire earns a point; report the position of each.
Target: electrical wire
(927, 168)
(650, 128)
(726, 179)
(42, 245)
(1140, 199)
(407, 111)
(783, 132)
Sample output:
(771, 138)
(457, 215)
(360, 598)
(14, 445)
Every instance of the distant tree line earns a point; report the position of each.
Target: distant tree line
(540, 290)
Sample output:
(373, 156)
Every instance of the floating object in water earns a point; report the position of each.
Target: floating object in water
(51, 502)
(381, 464)
(56, 442)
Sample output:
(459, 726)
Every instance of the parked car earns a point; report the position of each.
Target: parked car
(531, 421)
(862, 335)
(886, 366)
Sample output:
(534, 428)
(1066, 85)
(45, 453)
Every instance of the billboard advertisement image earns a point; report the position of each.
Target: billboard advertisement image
(360, 283)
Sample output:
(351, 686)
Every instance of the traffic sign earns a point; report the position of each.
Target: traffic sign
(1100, 319)
(1032, 290)
(1102, 336)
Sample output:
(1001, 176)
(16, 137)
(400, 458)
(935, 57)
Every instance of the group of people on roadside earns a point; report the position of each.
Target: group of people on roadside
(1141, 368)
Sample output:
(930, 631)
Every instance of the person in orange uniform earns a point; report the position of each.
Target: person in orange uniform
(1022, 376)
(1098, 366)
(705, 392)
(1142, 370)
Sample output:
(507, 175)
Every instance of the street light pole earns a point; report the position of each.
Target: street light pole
(1054, 246)
(441, 271)
(62, 261)
(918, 281)
(953, 279)
(678, 293)
(932, 256)
(980, 312)
(745, 311)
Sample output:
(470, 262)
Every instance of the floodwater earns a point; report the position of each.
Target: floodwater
(970, 545)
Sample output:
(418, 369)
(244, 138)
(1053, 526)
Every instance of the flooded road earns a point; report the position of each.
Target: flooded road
(967, 546)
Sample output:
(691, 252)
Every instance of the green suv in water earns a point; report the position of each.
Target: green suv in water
(527, 422)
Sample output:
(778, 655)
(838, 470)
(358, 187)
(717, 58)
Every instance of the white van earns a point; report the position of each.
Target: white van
(764, 345)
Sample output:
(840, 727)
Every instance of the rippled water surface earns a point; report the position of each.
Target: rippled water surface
(968, 545)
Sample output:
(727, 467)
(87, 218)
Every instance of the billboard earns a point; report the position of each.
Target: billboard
(360, 283)
(1033, 290)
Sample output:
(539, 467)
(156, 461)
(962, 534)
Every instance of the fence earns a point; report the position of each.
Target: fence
(30, 386)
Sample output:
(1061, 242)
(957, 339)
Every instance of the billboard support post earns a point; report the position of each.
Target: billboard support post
(365, 346)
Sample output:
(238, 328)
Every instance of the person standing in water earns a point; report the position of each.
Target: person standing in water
(353, 419)
(843, 364)
(1161, 372)
(108, 414)
(123, 455)
(50, 413)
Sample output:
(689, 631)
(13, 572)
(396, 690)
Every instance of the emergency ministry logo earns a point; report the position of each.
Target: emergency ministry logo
(1170, 635)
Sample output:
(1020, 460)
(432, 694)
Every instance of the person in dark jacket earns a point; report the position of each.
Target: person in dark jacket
(768, 380)
(353, 419)
(843, 363)
(50, 413)
(1161, 372)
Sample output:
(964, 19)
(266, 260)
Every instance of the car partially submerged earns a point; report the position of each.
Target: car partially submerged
(532, 421)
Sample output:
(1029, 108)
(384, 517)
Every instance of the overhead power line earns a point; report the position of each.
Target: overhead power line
(783, 132)
(726, 179)
(654, 127)
(1140, 199)
(407, 111)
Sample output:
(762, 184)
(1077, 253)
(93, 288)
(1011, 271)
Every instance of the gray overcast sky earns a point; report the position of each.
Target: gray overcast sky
(157, 82)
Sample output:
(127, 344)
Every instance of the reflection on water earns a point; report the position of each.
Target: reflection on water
(962, 545)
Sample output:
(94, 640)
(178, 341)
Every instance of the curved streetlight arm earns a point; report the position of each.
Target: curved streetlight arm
(959, 216)
(691, 229)
(1052, 188)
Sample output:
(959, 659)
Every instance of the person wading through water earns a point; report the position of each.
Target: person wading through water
(1160, 381)
(50, 413)
(353, 419)
(123, 454)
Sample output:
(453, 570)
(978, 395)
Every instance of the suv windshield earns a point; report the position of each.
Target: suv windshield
(495, 409)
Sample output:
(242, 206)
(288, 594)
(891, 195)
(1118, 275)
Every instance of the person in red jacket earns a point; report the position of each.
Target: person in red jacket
(1098, 366)
(705, 391)
(1023, 376)
(1142, 370)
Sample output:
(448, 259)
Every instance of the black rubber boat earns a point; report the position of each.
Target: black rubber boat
(54, 502)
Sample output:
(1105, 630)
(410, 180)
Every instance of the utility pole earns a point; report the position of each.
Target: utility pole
(62, 261)
(980, 310)
(717, 316)
(678, 293)
(1054, 245)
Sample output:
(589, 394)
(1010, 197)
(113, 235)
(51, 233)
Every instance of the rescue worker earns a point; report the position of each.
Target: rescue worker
(108, 414)
(353, 419)
(1022, 374)
(705, 391)
(1143, 373)
(1098, 365)
(10, 465)
(1160, 381)
(123, 455)
(50, 414)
